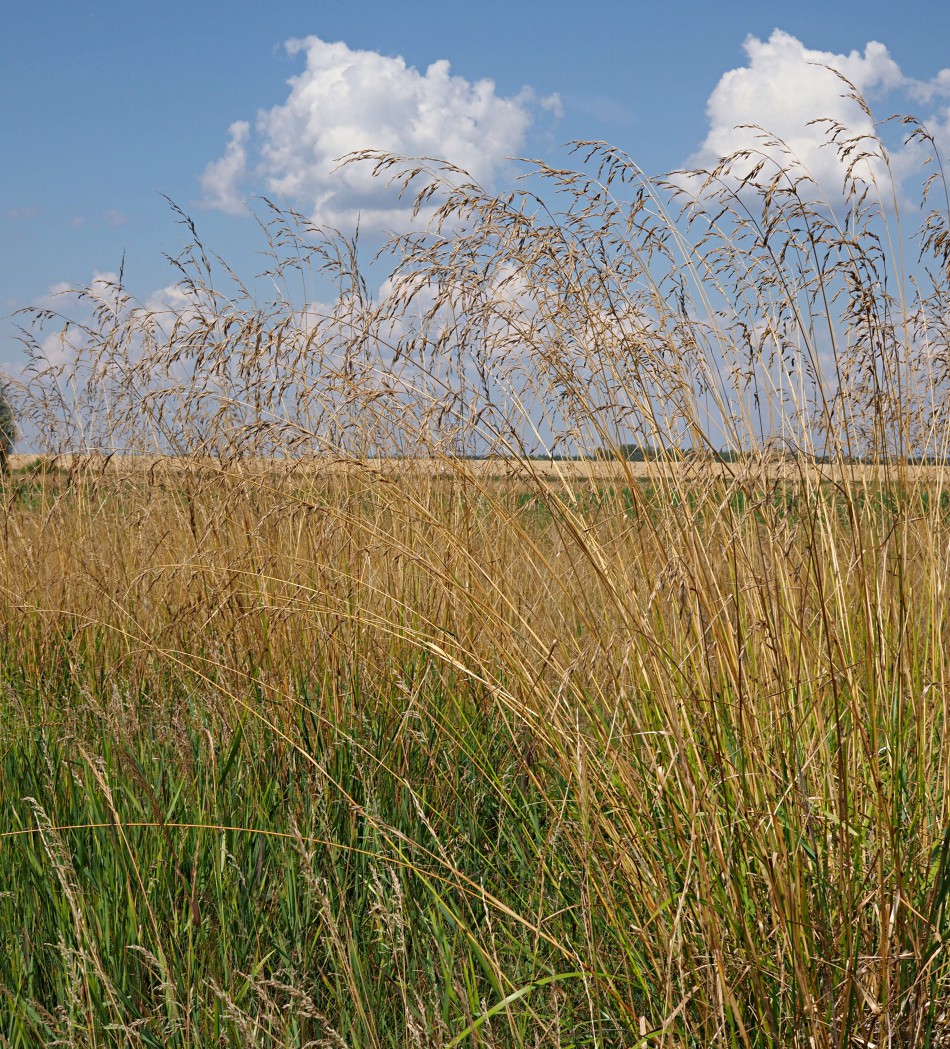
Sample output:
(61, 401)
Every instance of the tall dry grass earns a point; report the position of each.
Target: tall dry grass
(338, 718)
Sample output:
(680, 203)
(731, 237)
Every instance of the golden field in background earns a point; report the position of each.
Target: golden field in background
(565, 470)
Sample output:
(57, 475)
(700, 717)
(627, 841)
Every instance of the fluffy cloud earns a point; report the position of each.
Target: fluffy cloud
(785, 85)
(927, 90)
(222, 179)
(347, 100)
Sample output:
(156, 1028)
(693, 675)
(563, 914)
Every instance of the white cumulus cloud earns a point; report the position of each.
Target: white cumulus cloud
(347, 100)
(785, 86)
(222, 179)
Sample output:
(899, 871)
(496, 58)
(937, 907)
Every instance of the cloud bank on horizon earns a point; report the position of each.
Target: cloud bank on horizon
(347, 100)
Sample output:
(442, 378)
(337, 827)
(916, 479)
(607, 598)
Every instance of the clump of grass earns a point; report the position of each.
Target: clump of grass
(363, 689)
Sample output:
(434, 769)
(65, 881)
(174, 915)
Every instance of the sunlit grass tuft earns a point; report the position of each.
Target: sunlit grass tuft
(550, 650)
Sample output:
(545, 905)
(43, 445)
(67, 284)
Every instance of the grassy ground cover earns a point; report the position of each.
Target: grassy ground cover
(375, 763)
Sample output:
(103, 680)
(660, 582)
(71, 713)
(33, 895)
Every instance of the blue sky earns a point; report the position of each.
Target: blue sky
(107, 105)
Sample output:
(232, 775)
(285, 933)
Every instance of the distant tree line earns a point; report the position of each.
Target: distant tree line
(635, 453)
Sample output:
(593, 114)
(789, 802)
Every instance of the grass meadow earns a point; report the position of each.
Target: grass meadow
(359, 688)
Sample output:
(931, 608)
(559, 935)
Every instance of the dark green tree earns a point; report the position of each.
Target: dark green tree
(8, 430)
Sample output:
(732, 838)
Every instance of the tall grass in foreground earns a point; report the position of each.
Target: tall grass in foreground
(351, 723)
